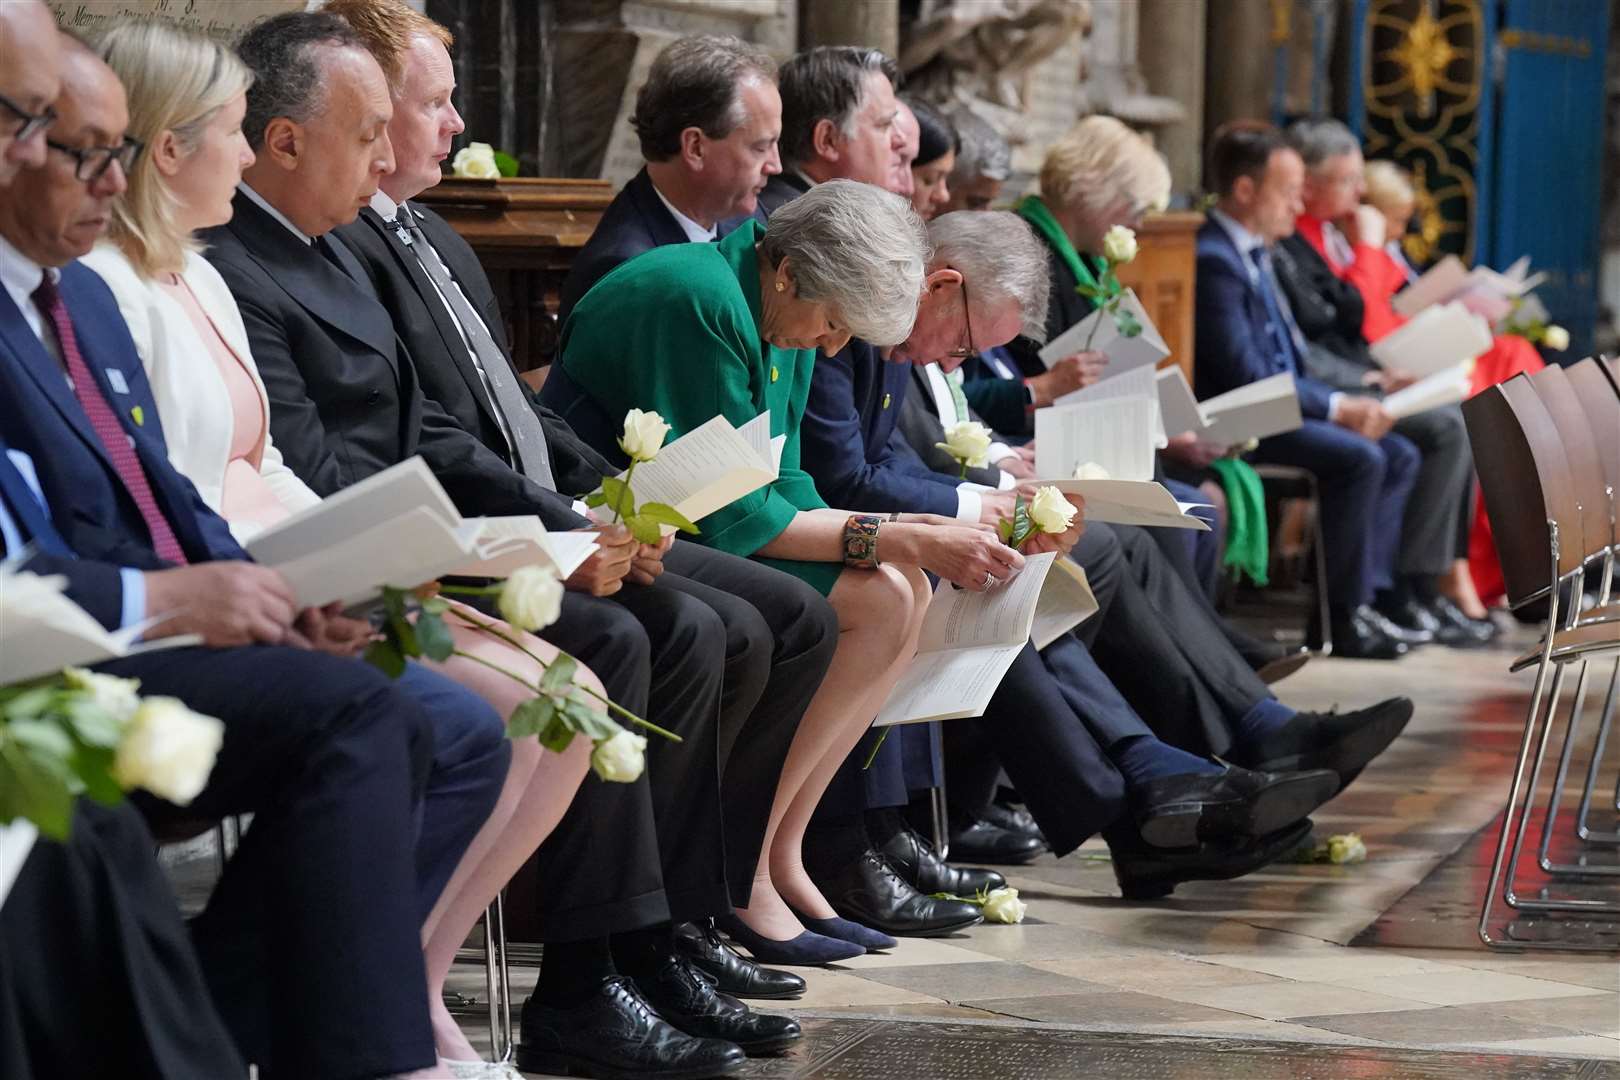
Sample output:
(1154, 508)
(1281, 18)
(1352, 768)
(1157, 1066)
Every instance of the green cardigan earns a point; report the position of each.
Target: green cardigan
(677, 330)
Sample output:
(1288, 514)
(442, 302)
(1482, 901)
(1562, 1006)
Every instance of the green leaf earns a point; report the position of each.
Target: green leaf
(559, 674)
(557, 735)
(93, 766)
(590, 721)
(435, 605)
(1088, 291)
(434, 636)
(643, 528)
(42, 738)
(530, 717)
(595, 499)
(1004, 529)
(1022, 526)
(385, 656)
(91, 724)
(505, 163)
(665, 514)
(619, 498)
(30, 789)
(1127, 323)
(32, 702)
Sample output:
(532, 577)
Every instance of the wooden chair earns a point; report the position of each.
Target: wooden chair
(1537, 522)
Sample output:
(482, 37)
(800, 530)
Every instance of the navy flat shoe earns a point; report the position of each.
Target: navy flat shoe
(853, 932)
(807, 950)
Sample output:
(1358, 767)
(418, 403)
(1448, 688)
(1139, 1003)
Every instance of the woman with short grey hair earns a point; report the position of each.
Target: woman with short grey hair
(731, 329)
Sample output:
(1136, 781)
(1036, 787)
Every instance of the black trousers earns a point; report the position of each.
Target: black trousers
(311, 942)
(626, 856)
(97, 974)
(780, 639)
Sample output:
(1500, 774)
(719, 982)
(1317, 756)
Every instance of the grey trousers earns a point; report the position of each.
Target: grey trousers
(1439, 497)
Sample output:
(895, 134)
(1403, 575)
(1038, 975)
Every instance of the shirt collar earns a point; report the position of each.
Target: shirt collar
(1244, 240)
(802, 175)
(696, 233)
(277, 214)
(21, 275)
(386, 208)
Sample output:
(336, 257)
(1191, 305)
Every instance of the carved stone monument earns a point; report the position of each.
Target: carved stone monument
(222, 19)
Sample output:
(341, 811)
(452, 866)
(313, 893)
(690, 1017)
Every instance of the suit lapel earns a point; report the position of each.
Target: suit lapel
(315, 284)
(655, 217)
(40, 367)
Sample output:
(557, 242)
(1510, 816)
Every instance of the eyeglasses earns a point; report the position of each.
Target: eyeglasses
(30, 122)
(965, 351)
(94, 161)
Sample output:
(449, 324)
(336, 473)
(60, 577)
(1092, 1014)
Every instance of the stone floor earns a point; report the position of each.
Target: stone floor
(1260, 967)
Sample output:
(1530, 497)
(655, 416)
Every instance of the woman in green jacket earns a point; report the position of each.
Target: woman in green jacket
(698, 330)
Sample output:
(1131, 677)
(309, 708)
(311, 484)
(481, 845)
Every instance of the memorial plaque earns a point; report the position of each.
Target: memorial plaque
(221, 19)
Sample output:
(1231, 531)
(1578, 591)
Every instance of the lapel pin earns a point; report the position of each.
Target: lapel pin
(139, 415)
(774, 373)
(885, 401)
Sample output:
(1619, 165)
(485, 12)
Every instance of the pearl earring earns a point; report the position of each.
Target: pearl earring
(780, 287)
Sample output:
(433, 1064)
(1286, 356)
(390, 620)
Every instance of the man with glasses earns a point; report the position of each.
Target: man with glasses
(26, 90)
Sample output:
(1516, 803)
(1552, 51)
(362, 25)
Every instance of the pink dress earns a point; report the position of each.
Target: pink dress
(246, 496)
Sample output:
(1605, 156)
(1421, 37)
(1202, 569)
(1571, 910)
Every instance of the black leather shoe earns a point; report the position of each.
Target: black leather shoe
(614, 1034)
(1146, 873)
(1475, 631)
(870, 892)
(983, 842)
(1013, 819)
(684, 998)
(1356, 636)
(731, 973)
(1179, 811)
(913, 859)
(1420, 632)
(1342, 742)
(1288, 660)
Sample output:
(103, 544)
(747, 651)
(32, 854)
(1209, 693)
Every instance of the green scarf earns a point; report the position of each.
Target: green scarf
(1035, 211)
(1247, 539)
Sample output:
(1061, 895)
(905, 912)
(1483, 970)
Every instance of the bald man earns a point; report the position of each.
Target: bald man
(28, 84)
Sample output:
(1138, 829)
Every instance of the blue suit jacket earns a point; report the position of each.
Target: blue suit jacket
(851, 444)
(1230, 326)
(90, 507)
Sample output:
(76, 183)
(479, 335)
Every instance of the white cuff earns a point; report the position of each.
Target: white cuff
(1000, 451)
(581, 509)
(1333, 404)
(968, 504)
(1007, 481)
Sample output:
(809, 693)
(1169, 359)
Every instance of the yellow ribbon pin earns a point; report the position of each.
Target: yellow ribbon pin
(140, 417)
(885, 401)
(774, 373)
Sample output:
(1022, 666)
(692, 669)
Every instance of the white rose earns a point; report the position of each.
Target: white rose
(644, 434)
(1090, 470)
(531, 599)
(1346, 848)
(1555, 338)
(1003, 906)
(1050, 511)
(1119, 245)
(968, 442)
(115, 696)
(621, 759)
(475, 161)
(168, 750)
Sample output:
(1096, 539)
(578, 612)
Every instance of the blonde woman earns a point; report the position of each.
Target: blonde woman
(186, 103)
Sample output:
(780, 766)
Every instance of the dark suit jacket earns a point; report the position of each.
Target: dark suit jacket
(443, 364)
(1064, 308)
(784, 187)
(923, 431)
(345, 397)
(1002, 399)
(634, 222)
(1328, 312)
(91, 509)
(1229, 322)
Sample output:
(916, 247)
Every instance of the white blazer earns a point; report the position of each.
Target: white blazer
(193, 404)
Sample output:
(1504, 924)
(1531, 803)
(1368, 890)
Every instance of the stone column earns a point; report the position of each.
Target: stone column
(875, 23)
(1170, 52)
(1238, 48)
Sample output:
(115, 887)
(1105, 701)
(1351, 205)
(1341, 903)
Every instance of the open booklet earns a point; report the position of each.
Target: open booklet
(1065, 602)
(399, 528)
(42, 631)
(1481, 290)
(711, 466)
(968, 641)
(1133, 382)
(1448, 387)
(1124, 353)
(1437, 338)
(1265, 407)
(1112, 438)
(1178, 408)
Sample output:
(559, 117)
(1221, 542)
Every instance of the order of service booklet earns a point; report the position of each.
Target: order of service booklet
(1124, 353)
(709, 467)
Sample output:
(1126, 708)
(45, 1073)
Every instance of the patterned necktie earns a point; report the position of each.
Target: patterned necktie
(528, 438)
(104, 422)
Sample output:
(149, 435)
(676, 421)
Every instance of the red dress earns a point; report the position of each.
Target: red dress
(1377, 277)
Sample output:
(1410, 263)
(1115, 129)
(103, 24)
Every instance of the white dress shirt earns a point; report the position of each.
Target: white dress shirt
(696, 233)
(264, 205)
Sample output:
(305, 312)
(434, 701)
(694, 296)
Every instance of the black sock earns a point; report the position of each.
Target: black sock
(570, 971)
(884, 824)
(830, 844)
(643, 952)
(1422, 587)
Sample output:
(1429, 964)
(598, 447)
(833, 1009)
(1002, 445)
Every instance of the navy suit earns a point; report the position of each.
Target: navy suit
(1364, 484)
(314, 970)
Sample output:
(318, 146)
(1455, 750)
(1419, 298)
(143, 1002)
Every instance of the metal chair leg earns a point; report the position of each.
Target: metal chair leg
(1323, 604)
(1583, 828)
(497, 982)
(939, 813)
(1556, 796)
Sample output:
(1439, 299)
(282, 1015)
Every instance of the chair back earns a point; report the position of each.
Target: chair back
(1586, 473)
(1522, 490)
(1600, 399)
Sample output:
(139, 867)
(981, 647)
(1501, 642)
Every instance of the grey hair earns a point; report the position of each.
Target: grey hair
(1318, 140)
(857, 248)
(999, 257)
(282, 53)
(984, 154)
(826, 82)
(694, 82)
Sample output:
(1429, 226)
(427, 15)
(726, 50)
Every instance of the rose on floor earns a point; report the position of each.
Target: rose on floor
(997, 905)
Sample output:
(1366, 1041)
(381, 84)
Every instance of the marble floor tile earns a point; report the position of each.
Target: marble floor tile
(1327, 963)
(957, 983)
(1029, 942)
(1463, 986)
(1595, 1014)
(913, 951)
(1456, 1025)
(1120, 1007)
(1155, 974)
(1285, 999)
(1578, 1045)
(833, 988)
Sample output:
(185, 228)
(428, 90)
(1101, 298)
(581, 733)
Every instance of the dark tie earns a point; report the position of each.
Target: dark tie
(104, 422)
(528, 437)
(1278, 327)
